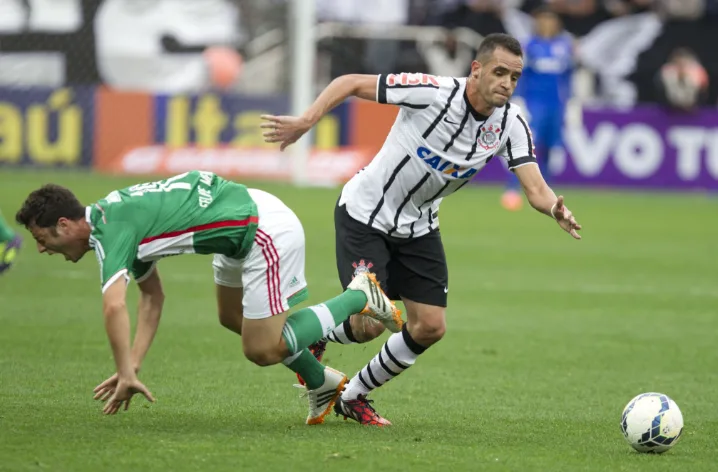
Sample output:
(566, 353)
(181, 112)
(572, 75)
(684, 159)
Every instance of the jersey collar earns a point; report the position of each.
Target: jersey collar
(477, 116)
(88, 216)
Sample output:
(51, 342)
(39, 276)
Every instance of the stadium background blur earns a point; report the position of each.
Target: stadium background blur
(98, 94)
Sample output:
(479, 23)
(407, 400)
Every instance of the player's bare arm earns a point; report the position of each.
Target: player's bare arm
(288, 129)
(148, 319)
(543, 199)
(149, 313)
(117, 325)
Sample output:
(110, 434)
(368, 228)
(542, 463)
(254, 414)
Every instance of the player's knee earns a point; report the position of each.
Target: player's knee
(262, 357)
(434, 330)
(429, 330)
(365, 329)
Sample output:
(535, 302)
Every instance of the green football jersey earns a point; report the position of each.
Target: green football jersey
(195, 212)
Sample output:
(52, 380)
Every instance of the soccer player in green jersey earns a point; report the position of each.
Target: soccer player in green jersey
(258, 247)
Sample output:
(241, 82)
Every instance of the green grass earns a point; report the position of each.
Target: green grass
(547, 340)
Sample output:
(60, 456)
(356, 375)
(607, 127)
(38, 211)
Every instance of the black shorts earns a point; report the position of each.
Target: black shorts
(413, 268)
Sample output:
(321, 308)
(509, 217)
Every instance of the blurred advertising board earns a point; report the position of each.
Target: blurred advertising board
(138, 133)
(328, 167)
(142, 134)
(647, 146)
(46, 128)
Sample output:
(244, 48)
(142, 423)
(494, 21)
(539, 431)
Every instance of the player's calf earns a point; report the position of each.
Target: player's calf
(229, 307)
(365, 329)
(231, 322)
(356, 329)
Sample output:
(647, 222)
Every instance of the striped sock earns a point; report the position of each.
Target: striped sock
(342, 334)
(309, 325)
(398, 354)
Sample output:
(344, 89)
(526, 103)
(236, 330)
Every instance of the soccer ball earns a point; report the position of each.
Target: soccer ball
(652, 422)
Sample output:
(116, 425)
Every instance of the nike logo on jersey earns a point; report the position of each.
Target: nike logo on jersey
(446, 167)
(446, 119)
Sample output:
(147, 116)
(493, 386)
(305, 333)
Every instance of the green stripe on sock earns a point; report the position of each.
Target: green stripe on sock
(290, 339)
(309, 325)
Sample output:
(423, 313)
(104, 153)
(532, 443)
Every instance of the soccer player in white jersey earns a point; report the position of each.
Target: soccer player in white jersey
(258, 248)
(386, 219)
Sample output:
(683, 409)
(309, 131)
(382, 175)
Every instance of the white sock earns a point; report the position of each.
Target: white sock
(396, 355)
(342, 334)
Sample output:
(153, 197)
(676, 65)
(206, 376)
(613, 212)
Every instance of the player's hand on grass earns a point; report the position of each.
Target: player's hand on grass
(565, 218)
(106, 389)
(284, 129)
(124, 390)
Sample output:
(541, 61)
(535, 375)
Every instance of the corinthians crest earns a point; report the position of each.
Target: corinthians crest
(361, 267)
(489, 137)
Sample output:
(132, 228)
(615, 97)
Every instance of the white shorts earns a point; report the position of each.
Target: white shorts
(272, 274)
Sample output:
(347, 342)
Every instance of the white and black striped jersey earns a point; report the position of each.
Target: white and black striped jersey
(436, 145)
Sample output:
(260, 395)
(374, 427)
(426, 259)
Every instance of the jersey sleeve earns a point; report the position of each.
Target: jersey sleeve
(115, 247)
(519, 147)
(410, 91)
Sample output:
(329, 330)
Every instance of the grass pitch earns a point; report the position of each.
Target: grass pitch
(548, 338)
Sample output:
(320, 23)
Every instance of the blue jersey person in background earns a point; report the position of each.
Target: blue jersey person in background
(545, 88)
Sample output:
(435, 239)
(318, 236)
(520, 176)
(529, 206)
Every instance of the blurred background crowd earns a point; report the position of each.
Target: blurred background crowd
(627, 51)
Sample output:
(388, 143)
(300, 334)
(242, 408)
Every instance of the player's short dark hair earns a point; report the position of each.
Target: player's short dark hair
(46, 205)
(543, 10)
(495, 41)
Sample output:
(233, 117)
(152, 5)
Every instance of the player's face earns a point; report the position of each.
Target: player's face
(548, 25)
(63, 239)
(498, 77)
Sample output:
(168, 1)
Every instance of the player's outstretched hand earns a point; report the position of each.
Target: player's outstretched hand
(565, 218)
(285, 130)
(124, 391)
(106, 389)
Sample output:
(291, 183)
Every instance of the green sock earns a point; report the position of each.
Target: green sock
(309, 325)
(305, 364)
(6, 233)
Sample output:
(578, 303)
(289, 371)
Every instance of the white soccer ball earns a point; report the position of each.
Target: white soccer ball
(652, 422)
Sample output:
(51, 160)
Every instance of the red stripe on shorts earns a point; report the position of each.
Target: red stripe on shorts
(268, 258)
(272, 258)
(277, 279)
